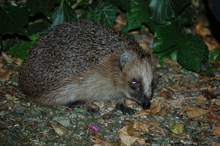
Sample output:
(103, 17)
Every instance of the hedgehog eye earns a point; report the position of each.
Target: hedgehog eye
(134, 81)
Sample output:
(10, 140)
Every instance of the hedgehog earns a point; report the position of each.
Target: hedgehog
(84, 61)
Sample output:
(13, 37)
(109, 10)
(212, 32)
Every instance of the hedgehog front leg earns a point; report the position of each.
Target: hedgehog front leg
(89, 106)
(92, 108)
(124, 108)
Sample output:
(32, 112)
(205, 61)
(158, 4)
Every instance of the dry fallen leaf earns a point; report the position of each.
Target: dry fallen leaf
(62, 121)
(175, 103)
(133, 132)
(215, 143)
(215, 102)
(127, 139)
(193, 112)
(7, 58)
(205, 78)
(144, 125)
(18, 61)
(200, 100)
(171, 62)
(120, 21)
(10, 59)
(59, 129)
(205, 33)
(5, 74)
(175, 87)
(165, 95)
(177, 75)
(212, 43)
(1, 63)
(201, 30)
(211, 118)
(98, 142)
(154, 108)
(216, 130)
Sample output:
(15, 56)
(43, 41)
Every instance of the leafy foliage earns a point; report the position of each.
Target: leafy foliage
(166, 36)
(103, 13)
(189, 45)
(63, 13)
(137, 14)
(13, 19)
(36, 6)
(166, 19)
(163, 11)
(213, 55)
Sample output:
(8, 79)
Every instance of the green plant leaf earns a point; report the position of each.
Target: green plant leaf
(186, 16)
(63, 13)
(214, 54)
(80, 4)
(20, 49)
(11, 42)
(175, 127)
(123, 4)
(173, 55)
(33, 37)
(73, 1)
(13, 19)
(191, 52)
(104, 13)
(138, 14)
(166, 53)
(44, 6)
(210, 70)
(163, 11)
(152, 26)
(166, 37)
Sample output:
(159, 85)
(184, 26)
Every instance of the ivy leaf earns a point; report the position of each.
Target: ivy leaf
(166, 53)
(192, 52)
(20, 49)
(13, 19)
(73, 1)
(166, 37)
(186, 16)
(11, 42)
(138, 14)
(36, 6)
(63, 13)
(104, 13)
(123, 4)
(214, 54)
(164, 10)
(173, 55)
(79, 4)
(210, 70)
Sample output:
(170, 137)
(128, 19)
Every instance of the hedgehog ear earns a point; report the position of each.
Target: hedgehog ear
(124, 58)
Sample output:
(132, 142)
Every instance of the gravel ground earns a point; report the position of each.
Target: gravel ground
(186, 111)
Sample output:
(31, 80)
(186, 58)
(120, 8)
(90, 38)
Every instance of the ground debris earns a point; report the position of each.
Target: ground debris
(185, 111)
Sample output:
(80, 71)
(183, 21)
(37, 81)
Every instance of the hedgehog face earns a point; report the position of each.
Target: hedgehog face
(137, 76)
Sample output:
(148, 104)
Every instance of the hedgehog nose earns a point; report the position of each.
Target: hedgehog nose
(146, 105)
